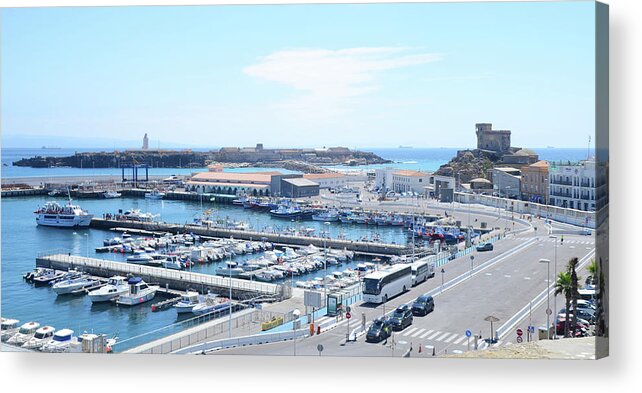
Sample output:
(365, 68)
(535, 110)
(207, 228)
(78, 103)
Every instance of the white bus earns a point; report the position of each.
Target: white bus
(386, 283)
(421, 271)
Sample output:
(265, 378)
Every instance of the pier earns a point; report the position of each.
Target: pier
(166, 278)
(276, 238)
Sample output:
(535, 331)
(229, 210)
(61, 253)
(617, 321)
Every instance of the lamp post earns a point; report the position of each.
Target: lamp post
(555, 275)
(295, 324)
(229, 268)
(548, 296)
(87, 243)
(472, 258)
(325, 265)
(442, 279)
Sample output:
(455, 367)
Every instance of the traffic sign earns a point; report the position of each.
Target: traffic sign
(519, 332)
(468, 333)
(519, 339)
(531, 329)
(320, 348)
(348, 315)
(348, 309)
(549, 311)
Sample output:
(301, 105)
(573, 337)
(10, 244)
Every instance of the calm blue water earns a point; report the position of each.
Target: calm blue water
(424, 159)
(22, 240)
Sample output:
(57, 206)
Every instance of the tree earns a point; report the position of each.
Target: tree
(564, 286)
(592, 269)
(572, 264)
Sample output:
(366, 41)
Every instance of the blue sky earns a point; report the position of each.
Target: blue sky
(374, 75)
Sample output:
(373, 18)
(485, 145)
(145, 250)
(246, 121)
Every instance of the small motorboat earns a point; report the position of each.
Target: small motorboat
(116, 286)
(231, 269)
(111, 194)
(155, 194)
(60, 342)
(140, 257)
(210, 305)
(23, 335)
(9, 327)
(68, 286)
(139, 292)
(47, 277)
(39, 339)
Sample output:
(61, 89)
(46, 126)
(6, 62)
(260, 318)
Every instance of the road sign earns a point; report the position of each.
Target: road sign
(348, 309)
(519, 332)
(549, 311)
(468, 333)
(348, 315)
(519, 339)
(531, 329)
(320, 348)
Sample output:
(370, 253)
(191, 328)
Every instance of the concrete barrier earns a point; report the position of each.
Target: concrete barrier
(257, 339)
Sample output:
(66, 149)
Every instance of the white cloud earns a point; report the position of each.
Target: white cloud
(335, 73)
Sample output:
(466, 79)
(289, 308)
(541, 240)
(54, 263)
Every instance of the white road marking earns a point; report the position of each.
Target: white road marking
(449, 339)
(440, 338)
(434, 335)
(459, 339)
(426, 334)
(527, 278)
(418, 332)
(507, 275)
(407, 332)
(489, 274)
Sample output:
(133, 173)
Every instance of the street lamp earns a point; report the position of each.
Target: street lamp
(325, 265)
(548, 296)
(295, 324)
(555, 275)
(442, 279)
(87, 243)
(229, 268)
(472, 258)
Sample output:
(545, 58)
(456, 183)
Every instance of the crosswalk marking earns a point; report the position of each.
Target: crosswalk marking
(459, 339)
(449, 339)
(442, 337)
(406, 333)
(434, 335)
(426, 334)
(418, 332)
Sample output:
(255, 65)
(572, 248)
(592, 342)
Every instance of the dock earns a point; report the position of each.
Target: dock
(276, 238)
(172, 281)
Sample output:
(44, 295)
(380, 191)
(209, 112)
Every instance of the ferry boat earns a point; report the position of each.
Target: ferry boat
(111, 194)
(115, 287)
(139, 292)
(155, 194)
(55, 215)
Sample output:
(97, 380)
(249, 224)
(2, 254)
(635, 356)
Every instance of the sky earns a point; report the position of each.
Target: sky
(356, 75)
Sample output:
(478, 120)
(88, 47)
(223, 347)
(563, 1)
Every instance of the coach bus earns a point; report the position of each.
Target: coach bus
(421, 271)
(386, 283)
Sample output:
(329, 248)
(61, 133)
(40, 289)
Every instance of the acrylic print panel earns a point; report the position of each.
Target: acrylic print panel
(420, 180)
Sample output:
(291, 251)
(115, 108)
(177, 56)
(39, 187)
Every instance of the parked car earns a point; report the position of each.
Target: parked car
(423, 305)
(401, 318)
(379, 330)
(485, 247)
(581, 314)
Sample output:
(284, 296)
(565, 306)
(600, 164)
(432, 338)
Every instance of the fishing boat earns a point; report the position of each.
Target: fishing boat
(23, 334)
(139, 292)
(53, 214)
(73, 284)
(39, 339)
(8, 327)
(111, 194)
(154, 194)
(327, 216)
(115, 287)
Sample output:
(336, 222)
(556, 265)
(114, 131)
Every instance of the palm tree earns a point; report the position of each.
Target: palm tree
(592, 269)
(572, 264)
(564, 286)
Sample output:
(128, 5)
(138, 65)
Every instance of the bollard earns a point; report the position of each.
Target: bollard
(433, 351)
(419, 348)
(318, 329)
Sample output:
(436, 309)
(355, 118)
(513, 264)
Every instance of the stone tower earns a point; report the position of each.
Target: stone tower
(493, 140)
(145, 142)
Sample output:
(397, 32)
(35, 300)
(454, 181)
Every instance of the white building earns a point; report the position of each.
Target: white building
(401, 180)
(572, 185)
(328, 180)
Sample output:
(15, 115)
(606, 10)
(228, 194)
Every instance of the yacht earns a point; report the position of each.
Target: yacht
(25, 332)
(116, 286)
(9, 328)
(140, 257)
(68, 286)
(136, 215)
(139, 292)
(111, 194)
(60, 342)
(230, 270)
(39, 339)
(210, 305)
(55, 215)
(155, 194)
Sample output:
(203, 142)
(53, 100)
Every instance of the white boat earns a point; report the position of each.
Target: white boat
(67, 286)
(155, 194)
(111, 194)
(23, 335)
(230, 270)
(210, 305)
(139, 292)
(140, 257)
(60, 342)
(55, 215)
(39, 339)
(9, 327)
(187, 302)
(136, 215)
(172, 262)
(116, 286)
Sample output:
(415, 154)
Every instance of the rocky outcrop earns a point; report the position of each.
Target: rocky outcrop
(469, 164)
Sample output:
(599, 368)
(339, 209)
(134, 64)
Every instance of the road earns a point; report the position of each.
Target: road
(503, 283)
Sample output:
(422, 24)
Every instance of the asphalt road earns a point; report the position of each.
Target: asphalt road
(503, 283)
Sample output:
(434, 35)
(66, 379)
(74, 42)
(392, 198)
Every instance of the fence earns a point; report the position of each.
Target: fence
(243, 341)
(196, 333)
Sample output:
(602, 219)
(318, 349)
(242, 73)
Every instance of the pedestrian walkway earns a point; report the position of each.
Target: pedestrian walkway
(430, 338)
(569, 241)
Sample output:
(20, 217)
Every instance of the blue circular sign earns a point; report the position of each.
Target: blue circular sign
(468, 333)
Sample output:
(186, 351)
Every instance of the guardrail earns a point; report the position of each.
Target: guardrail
(257, 339)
